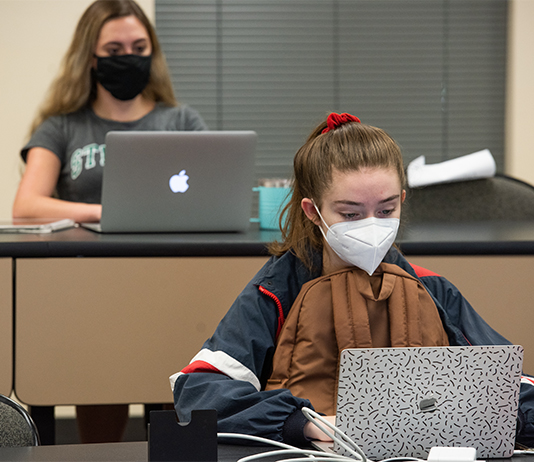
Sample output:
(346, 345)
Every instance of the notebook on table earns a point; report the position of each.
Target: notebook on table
(35, 225)
(189, 181)
(401, 402)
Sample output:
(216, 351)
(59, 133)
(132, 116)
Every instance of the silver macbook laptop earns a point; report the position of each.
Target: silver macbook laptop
(401, 402)
(192, 181)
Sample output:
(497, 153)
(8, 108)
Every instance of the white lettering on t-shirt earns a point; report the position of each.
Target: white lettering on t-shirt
(90, 153)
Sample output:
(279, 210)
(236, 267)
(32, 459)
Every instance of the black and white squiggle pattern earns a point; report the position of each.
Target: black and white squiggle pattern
(403, 401)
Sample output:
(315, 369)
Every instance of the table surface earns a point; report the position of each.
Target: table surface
(481, 238)
(131, 452)
(111, 452)
(458, 239)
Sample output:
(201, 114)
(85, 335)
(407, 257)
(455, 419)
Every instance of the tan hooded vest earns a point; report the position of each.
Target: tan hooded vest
(350, 309)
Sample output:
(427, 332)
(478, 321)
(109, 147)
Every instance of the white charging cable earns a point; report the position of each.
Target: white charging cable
(320, 422)
(337, 436)
(316, 456)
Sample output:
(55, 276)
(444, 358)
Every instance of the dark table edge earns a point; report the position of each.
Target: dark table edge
(79, 242)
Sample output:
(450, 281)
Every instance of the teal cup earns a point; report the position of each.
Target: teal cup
(270, 204)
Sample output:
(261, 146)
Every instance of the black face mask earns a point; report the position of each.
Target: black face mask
(124, 76)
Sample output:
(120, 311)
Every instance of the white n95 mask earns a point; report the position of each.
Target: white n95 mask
(362, 243)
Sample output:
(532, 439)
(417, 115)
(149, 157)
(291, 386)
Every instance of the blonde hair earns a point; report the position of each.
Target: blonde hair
(351, 146)
(75, 86)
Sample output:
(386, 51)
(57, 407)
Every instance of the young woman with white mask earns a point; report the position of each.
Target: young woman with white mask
(342, 218)
(363, 209)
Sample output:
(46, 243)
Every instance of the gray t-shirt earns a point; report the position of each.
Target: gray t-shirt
(78, 140)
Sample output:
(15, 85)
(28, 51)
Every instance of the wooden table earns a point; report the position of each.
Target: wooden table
(6, 326)
(103, 319)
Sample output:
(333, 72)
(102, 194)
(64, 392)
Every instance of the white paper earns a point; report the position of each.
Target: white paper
(474, 166)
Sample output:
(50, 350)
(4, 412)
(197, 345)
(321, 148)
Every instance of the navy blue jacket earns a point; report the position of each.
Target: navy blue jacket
(230, 372)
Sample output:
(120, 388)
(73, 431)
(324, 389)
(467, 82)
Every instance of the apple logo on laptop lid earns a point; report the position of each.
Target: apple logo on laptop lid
(178, 183)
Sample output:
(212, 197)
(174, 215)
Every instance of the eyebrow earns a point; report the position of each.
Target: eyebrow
(383, 201)
(136, 42)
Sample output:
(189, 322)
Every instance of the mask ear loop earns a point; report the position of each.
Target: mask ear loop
(322, 219)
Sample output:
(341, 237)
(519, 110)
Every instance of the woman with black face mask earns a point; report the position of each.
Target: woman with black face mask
(113, 77)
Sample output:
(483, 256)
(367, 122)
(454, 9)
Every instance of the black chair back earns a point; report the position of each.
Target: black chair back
(16, 426)
(497, 198)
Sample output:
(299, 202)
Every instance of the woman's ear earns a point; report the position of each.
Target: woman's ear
(403, 196)
(310, 211)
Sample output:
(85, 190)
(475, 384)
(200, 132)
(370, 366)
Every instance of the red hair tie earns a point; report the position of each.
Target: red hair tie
(336, 120)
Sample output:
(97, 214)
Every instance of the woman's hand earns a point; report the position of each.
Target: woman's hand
(34, 196)
(313, 433)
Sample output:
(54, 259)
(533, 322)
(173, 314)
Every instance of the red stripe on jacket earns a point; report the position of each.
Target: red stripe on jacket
(281, 317)
(200, 366)
(422, 272)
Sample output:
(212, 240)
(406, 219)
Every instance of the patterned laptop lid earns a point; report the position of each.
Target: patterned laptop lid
(401, 402)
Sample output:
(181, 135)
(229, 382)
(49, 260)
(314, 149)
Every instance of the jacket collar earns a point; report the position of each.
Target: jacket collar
(285, 276)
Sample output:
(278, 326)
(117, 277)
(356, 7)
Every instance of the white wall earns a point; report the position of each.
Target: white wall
(34, 35)
(520, 92)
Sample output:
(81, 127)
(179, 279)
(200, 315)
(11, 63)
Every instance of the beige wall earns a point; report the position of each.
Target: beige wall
(520, 92)
(34, 35)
